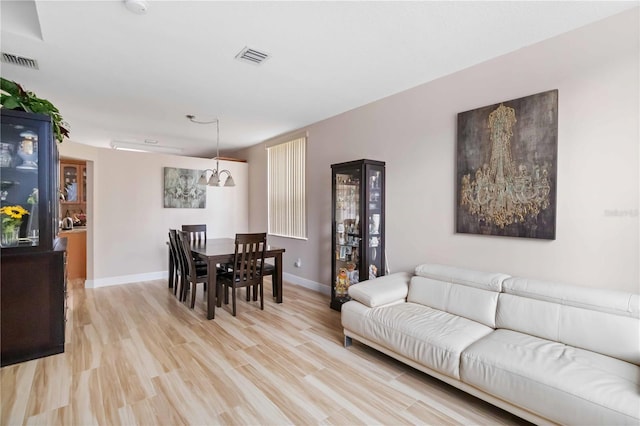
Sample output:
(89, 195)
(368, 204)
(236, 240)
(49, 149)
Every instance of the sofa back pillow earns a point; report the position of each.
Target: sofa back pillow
(476, 302)
(468, 277)
(601, 321)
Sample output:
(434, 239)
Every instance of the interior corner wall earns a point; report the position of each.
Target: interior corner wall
(595, 69)
(127, 227)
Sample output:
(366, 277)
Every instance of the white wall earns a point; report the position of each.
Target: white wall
(128, 225)
(596, 71)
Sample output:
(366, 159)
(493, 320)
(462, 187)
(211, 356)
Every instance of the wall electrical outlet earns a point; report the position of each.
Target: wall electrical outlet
(298, 263)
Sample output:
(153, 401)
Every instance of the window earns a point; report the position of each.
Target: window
(287, 192)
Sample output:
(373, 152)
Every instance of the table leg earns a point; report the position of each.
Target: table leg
(212, 291)
(278, 276)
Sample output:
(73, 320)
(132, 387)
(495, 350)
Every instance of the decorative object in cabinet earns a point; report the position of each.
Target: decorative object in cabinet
(357, 217)
(32, 269)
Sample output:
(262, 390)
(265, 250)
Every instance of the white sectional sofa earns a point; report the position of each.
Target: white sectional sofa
(547, 352)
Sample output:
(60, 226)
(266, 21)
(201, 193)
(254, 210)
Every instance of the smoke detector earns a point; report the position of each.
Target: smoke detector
(137, 6)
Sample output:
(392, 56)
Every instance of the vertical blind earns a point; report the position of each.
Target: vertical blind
(287, 193)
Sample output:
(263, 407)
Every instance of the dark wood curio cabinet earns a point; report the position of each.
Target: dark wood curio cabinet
(357, 218)
(33, 282)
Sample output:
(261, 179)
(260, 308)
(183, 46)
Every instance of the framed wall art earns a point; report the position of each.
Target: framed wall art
(507, 168)
(181, 189)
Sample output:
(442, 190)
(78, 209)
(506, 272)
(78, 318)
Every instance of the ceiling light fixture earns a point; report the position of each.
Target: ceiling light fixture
(137, 6)
(216, 173)
(144, 147)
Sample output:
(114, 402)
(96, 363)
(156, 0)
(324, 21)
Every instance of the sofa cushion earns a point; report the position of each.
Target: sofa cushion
(485, 280)
(428, 336)
(561, 383)
(597, 320)
(612, 301)
(469, 302)
(391, 288)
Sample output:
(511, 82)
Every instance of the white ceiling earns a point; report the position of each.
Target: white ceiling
(116, 75)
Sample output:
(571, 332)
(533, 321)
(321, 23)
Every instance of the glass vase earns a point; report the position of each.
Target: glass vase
(9, 236)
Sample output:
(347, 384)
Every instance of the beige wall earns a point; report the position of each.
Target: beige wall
(596, 71)
(128, 225)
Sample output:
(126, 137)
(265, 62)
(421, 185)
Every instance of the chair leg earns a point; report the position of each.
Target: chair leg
(193, 295)
(261, 285)
(174, 276)
(248, 293)
(255, 292)
(183, 289)
(233, 300)
(186, 287)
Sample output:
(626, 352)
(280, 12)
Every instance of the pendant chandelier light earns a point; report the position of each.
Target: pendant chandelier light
(215, 179)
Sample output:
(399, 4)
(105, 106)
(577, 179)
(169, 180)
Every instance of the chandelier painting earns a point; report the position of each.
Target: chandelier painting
(507, 168)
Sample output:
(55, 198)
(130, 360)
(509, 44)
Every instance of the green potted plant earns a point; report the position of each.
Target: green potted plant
(13, 96)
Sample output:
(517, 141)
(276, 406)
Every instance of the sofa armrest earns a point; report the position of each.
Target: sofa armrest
(382, 291)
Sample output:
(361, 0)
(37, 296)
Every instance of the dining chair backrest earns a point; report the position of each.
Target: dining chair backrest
(173, 246)
(184, 244)
(177, 264)
(197, 233)
(193, 274)
(249, 258)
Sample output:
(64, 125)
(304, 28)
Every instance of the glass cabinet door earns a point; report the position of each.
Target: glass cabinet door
(375, 241)
(27, 181)
(70, 180)
(19, 183)
(347, 232)
(84, 183)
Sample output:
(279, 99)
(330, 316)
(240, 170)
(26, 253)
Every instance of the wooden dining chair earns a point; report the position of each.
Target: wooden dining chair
(247, 267)
(194, 274)
(178, 268)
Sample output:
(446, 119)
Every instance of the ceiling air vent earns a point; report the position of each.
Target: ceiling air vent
(252, 56)
(20, 61)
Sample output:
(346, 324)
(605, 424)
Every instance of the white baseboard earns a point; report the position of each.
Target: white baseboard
(125, 279)
(303, 282)
(149, 276)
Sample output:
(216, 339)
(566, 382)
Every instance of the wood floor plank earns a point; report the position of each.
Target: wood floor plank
(51, 385)
(86, 396)
(16, 384)
(136, 355)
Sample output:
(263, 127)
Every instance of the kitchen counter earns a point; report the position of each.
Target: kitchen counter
(74, 230)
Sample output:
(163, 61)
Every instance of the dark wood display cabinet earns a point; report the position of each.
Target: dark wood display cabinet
(357, 218)
(32, 257)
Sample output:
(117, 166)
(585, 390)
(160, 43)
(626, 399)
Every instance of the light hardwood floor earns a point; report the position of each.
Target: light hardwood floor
(136, 355)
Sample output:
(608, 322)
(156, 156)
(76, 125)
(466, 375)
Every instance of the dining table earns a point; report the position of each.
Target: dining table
(222, 250)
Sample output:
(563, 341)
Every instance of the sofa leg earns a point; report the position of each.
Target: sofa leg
(347, 341)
